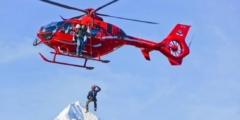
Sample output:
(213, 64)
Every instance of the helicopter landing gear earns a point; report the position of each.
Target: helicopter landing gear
(105, 61)
(89, 68)
(54, 61)
(58, 52)
(83, 57)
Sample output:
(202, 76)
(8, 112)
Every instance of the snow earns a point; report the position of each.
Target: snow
(75, 111)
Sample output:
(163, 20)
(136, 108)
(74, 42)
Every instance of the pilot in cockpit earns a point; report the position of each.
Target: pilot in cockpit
(69, 30)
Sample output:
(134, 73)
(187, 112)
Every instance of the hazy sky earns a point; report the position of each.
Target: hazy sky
(205, 87)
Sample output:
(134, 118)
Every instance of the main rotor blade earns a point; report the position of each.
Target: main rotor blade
(126, 18)
(64, 6)
(99, 8)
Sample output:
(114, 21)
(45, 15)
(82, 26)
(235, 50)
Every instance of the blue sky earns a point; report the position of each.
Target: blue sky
(205, 87)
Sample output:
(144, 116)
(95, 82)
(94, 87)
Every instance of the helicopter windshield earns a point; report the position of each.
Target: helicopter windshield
(48, 31)
(52, 27)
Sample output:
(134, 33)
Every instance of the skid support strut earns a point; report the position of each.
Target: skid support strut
(58, 52)
(63, 63)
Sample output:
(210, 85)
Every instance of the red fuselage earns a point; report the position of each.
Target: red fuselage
(104, 38)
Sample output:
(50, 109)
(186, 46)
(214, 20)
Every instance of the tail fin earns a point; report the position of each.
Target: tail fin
(174, 46)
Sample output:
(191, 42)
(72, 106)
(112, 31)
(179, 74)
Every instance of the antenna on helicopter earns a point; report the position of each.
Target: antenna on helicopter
(190, 41)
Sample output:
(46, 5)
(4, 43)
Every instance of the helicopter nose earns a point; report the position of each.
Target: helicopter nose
(35, 42)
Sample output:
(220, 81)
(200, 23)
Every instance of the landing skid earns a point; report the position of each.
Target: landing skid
(82, 66)
(83, 57)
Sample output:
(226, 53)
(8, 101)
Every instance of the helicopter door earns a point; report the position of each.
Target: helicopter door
(65, 33)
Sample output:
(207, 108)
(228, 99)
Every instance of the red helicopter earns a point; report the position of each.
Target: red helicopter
(103, 38)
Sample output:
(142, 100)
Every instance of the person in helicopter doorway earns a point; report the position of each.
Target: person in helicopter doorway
(92, 97)
(79, 35)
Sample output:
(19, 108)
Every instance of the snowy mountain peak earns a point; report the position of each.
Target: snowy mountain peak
(75, 111)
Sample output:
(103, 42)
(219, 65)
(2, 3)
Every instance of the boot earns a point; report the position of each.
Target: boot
(95, 109)
(86, 111)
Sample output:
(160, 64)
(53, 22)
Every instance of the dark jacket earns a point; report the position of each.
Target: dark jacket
(93, 93)
(80, 33)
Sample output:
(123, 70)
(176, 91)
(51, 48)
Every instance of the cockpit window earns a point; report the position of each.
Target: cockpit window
(67, 28)
(48, 31)
(52, 27)
(93, 32)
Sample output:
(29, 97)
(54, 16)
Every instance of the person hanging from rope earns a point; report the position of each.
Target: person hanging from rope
(92, 97)
(78, 36)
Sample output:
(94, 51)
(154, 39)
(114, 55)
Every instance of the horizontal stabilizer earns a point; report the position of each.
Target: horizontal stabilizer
(175, 62)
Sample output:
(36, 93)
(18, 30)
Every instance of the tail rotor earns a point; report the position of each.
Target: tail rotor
(175, 48)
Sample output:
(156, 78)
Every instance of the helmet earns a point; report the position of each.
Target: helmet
(93, 87)
(83, 27)
(78, 26)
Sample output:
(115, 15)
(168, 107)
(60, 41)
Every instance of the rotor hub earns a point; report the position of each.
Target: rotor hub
(175, 48)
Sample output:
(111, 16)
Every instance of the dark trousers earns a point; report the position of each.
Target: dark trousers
(95, 103)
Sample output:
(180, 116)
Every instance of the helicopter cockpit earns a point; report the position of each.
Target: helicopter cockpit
(48, 31)
(64, 28)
